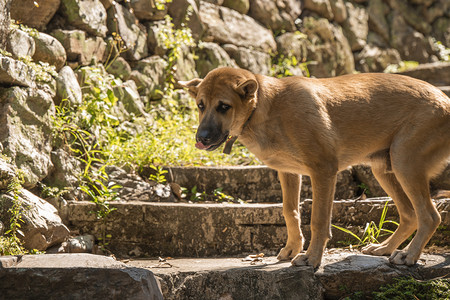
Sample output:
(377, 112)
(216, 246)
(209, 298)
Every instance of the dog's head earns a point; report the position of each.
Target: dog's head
(225, 99)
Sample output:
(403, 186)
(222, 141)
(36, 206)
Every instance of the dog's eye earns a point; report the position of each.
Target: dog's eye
(201, 106)
(223, 107)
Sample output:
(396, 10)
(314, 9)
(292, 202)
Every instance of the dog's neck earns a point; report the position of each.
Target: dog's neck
(229, 143)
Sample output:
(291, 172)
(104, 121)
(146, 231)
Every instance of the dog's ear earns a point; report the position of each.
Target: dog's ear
(191, 85)
(247, 89)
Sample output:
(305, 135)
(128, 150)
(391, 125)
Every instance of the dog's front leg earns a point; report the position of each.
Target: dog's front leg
(290, 185)
(323, 186)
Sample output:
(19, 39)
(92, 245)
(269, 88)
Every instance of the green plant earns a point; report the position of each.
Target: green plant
(372, 231)
(10, 242)
(443, 51)
(282, 66)
(159, 176)
(405, 288)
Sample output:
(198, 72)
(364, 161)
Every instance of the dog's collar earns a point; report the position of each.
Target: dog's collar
(232, 138)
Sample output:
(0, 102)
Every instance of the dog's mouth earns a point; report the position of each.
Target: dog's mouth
(212, 146)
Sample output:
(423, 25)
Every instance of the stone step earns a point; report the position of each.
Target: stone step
(342, 273)
(74, 276)
(87, 276)
(147, 229)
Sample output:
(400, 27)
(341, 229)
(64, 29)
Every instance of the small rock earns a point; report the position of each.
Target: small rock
(120, 68)
(26, 12)
(147, 10)
(124, 24)
(87, 15)
(14, 72)
(68, 88)
(49, 50)
(79, 244)
(20, 44)
(211, 56)
(241, 6)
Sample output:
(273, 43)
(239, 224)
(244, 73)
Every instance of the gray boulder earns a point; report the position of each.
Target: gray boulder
(411, 44)
(322, 7)
(339, 10)
(441, 30)
(187, 12)
(329, 50)
(42, 227)
(68, 88)
(356, 26)
(150, 75)
(7, 173)
(87, 15)
(20, 44)
(49, 50)
(148, 11)
(4, 22)
(124, 23)
(227, 26)
(211, 56)
(185, 64)
(241, 6)
(268, 13)
(375, 59)
(128, 94)
(377, 11)
(80, 49)
(26, 122)
(411, 15)
(14, 72)
(32, 15)
(120, 68)
(255, 61)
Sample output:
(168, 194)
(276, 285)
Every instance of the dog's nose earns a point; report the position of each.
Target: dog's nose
(204, 136)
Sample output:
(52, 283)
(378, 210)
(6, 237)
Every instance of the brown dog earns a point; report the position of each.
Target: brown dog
(317, 127)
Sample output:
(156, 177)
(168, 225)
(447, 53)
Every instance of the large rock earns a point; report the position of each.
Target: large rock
(124, 24)
(268, 14)
(79, 48)
(147, 10)
(329, 50)
(293, 44)
(356, 26)
(4, 22)
(375, 59)
(33, 13)
(411, 44)
(14, 72)
(87, 15)
(26, 127)
(339, 10)
(49, 50)
(155, 32)
(120, 68)
(411, 15)
(187, 12)
(322, 7)
(377, 11)
(20, 44)
(66, 170)
(42, 227)
(150, 76)
(211, 56)
(241, 6)
(75, 276)
(128, 95)
(257, 62)
(227, 26)
(68, 88)
(185, 64)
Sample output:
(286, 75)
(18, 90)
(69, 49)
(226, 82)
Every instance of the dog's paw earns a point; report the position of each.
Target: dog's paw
(288, 253)
(305, 259)
(376, 249)
(403, 257)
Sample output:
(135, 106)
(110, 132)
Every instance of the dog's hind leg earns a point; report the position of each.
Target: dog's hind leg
(323, 185)
(290, 185)
(408, 222)
(411, 170)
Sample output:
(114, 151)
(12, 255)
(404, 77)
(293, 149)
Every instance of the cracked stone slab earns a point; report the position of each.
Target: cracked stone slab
(74, 276)
(342, 273)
